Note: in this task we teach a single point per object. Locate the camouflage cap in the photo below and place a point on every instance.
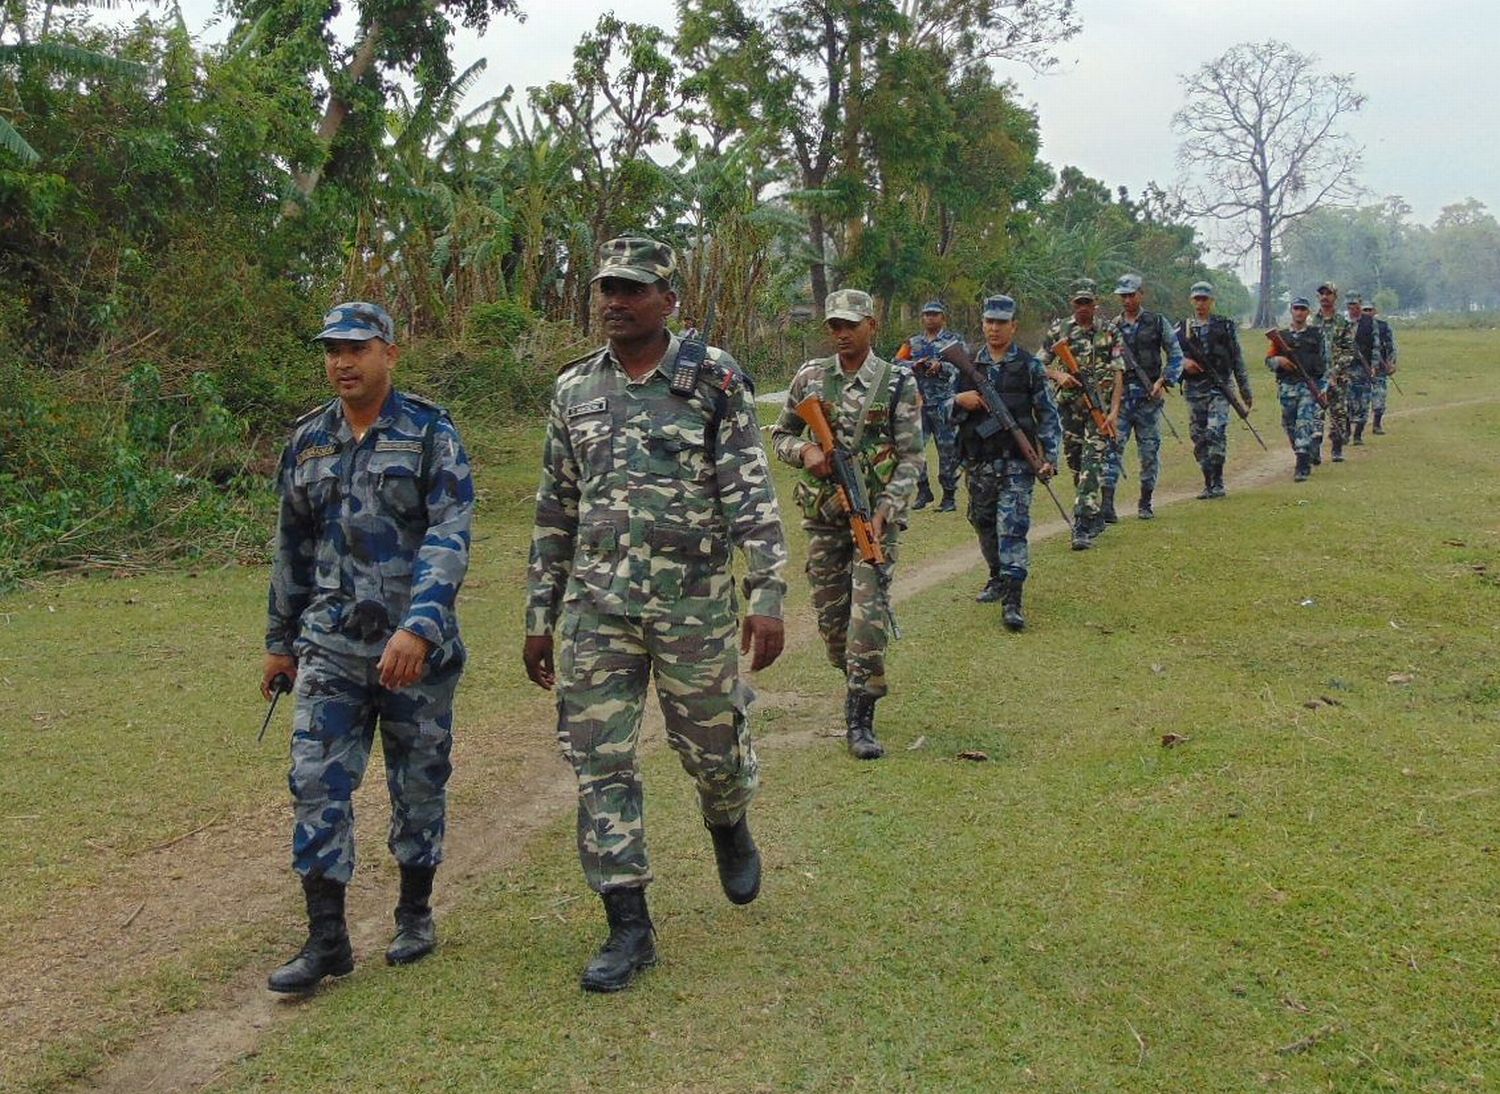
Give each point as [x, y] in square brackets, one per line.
[851, 305]
[1352, 297]
[934, 306]
[1301, 302]
[636, 258]
[357, 321]
[1327, 286]
[1201, 288]
[1084, 289]
[1129, 283]
[999, 307]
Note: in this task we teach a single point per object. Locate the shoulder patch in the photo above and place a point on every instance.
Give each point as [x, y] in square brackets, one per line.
[592, 406]
[316, 451]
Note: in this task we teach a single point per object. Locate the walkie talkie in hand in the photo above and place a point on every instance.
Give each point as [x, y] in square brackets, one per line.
[691, 353]
[281, 683]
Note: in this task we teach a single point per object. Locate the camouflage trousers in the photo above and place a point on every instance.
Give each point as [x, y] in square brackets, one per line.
[1141, 416]
[1208, 426]
[1299, 414]
[1000, 513]
[604, 664]
[937, 424]
[1338, 413]
[1378, 391]
[339, 704]
[1087, 452]
[850, 604]
[1359, 401]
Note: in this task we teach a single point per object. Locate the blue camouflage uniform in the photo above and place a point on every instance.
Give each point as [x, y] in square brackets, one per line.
[373, 536]
[935, 383]
[1384, 363]
[1217, 340]
[1147, 337]
[1000, 481]
[1299, 407]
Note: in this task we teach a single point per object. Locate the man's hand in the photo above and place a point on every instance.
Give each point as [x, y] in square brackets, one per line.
[1112, 424]
[1192, 368]
[277, 664]
[1247, 400]
[536, 655]
[877, 526]
[816, 461]
[968, 400]
[1283, 364]
[1046, 472]
[762, 636]
[1159, 389]
[403, 661]
[1064, 379]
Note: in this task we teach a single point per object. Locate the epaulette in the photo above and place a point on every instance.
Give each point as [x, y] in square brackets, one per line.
[313, 413]
[720, 376]
[427, 404]
[590, 355]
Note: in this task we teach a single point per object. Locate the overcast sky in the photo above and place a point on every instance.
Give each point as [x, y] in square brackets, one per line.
[1429, 129]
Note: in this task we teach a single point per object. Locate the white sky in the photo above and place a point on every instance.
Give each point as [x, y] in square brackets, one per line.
[1429, 129]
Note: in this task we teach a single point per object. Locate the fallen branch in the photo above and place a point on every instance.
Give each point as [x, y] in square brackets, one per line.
[175, 840]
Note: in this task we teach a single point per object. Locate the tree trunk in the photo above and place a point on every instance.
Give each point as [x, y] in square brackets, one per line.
[818, 270]
[1265, 307]
[335, 113]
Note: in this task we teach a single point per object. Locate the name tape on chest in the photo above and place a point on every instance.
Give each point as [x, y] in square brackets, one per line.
[592, 406]
[316, 451]
[392, 444]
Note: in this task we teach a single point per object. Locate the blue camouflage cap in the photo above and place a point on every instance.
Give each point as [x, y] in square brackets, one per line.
[636, 258]
[1201, 288]
[1128, 283]
[934, 306]
[1352, 297]
[1301, 302]
[999, 307]
[357, 321]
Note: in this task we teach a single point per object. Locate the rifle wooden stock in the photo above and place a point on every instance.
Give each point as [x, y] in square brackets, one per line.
[846, 480]
[1064, 352]
[1278, 343]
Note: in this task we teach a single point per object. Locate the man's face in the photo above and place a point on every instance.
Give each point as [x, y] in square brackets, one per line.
[999, 334]
[933, 322]
[360, 371]
[1354, 309]
[1325, 301]
[1130, 302]
[1083, 311]
[633, 310]
[1299, 318]
[852, 340]
[1201, 306]
[1367, 311]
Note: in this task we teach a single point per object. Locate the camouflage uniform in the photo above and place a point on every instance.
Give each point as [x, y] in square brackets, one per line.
[846, 595]
[1000, 482]
[1338, 340]
[1217, 343]
[1384, 362]
[1139, 413]
[373, 536]
[643, 496]
[1299, 407]
[1100, 360]
[937, 405]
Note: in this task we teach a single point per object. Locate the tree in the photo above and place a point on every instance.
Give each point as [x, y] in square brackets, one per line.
[1262, 147]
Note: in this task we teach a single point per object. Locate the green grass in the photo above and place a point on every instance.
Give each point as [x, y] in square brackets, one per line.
[1295, 898]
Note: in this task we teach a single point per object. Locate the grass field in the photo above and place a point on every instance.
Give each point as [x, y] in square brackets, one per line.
[1304, 895]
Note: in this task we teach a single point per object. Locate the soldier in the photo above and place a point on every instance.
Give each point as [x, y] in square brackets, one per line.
[935, 382]
[1362, 371]
[1102, 363]
[1339, 337]
[1148, 336]
[1212, 346]
[874, 415]
[1000, 481]
[652, 472]
[372, 545]
[1385, 364]
[1299, 406]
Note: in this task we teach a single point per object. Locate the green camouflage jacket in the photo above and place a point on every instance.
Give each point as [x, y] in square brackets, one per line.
[1099, 358]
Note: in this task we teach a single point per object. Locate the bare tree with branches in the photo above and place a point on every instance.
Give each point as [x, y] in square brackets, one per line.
[1261, 146]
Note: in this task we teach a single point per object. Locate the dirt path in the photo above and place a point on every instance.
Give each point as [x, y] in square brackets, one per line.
[215, 880]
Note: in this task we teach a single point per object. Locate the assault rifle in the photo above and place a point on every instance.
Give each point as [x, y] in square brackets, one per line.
[1223, 385]
[926, 363]
[1148, 384]
[849, 486]
[1000, 418]
[1064, 352]
[1279, 344]
[1369, 368]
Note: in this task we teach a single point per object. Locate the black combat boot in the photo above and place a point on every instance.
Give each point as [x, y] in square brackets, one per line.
[1216, 490]
[327, 951]
[1304, 467]
[924, 494]
[631, 945]
[738, 859]
[991, 591]
[949, 503]
[1107, 507]
[1208, 482]
[1144, 510]
[1317, 450]
[1359, 432]
[1338, 450]
[416, 934]
[1379, 429]
[861, 731]
[1013, 617]
[1083, 533]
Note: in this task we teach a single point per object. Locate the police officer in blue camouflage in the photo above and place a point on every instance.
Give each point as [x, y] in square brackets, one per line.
[372, 544]
[1212, 347]
[1299, 404]
[653, 474]
[1385, 364]
[1148, 336]
[935, 383]
[1000, 481]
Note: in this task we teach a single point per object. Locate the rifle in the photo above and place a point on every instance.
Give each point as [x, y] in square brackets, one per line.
[1101, 420]
[925, 363]
[281, 683]
[1148, 384]
[1369, 368]
[1278, 343]
[850, 488]
[1000, 418]
[1223, 385]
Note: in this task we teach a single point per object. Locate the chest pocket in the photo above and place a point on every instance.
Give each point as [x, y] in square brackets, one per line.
[319, 479]
[678, 451]
[593, 439]
[398, 486]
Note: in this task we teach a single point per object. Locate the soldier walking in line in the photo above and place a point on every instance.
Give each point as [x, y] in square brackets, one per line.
[1211, 345]
[1362, 368]
[652, 473]
[874, 416]
[935, 382]
[1385, 364]
[1338, 336]
[1097, 350]
[1148, 337]
[372, 544]
[1000, 480]
[1296, 378]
